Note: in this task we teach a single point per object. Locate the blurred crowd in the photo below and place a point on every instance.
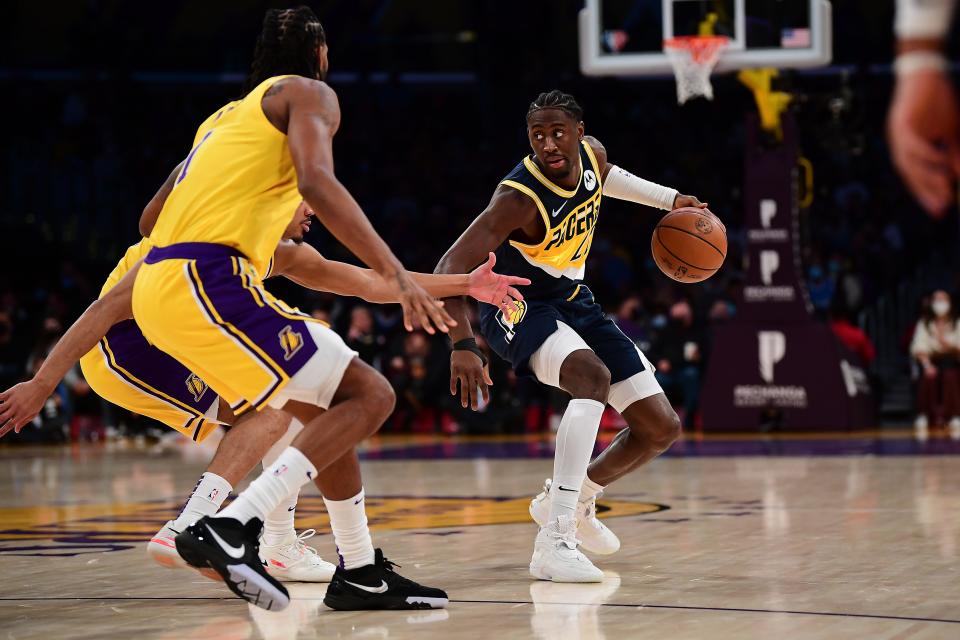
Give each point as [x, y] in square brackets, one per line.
[423, 158]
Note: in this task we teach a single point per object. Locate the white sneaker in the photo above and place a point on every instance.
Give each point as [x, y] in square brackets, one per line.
[594, 535]
[954, 426]
[921, 429]
[293, 561]
[163, 550]
[556, 557]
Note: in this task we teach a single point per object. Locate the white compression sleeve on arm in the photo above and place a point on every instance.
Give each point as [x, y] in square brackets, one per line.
[623, 185]
[922, 19]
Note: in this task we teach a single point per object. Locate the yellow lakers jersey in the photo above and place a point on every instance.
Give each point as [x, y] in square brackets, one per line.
[558, 261]
[237, 186]
[133, 255]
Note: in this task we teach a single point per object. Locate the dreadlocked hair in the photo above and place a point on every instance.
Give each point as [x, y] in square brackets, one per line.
[557, 99]
[287, 45]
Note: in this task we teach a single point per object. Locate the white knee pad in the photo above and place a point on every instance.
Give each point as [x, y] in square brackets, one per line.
[637, 387]
[546, 361]
[319, 378]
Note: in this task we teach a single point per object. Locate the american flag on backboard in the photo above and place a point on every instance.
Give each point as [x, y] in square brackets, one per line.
[795, 38]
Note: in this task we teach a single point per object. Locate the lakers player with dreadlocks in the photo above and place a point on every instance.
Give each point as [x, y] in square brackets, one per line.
[540, 223]
[198, 296]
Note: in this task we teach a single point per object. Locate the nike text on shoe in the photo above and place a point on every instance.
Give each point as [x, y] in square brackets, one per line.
[163, 550]
[378, 586]
[232, 550]
[594, 535]
[293, 561]
[556, 557]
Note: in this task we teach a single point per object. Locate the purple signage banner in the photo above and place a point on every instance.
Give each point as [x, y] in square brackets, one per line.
[794, 376]
[774, 289]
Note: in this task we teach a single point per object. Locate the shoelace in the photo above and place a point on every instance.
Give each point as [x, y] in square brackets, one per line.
[300, 546]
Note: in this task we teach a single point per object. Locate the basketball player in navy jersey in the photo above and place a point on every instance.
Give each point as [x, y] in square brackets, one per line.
[540, 222]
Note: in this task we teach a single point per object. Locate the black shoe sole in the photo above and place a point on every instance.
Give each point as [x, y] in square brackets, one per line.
[389, 603]
[244, 580]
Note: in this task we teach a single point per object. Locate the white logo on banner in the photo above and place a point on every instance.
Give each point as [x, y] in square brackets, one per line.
[769, 263]
[773, 346]
[768, 209]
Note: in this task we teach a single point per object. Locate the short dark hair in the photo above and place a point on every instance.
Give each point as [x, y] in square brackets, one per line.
[557, 99]
[287, 45]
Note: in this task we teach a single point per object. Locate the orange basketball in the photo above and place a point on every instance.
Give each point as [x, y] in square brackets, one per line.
[689, 244]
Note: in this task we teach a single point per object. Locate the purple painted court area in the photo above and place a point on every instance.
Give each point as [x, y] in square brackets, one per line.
[539, 447]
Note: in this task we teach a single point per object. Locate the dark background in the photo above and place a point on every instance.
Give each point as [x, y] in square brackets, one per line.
[101, 100]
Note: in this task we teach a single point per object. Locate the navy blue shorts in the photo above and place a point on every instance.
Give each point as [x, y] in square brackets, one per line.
[517, 338]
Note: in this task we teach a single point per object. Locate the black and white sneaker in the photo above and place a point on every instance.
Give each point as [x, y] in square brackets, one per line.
[233, 551]
[378, 586]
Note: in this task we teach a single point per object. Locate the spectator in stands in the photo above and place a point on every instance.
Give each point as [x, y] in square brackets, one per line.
[936, 346]
[362, 336]
[850, 335]
[678, 356]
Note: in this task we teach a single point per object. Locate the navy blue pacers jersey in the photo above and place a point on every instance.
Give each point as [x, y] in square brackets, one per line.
[555, 267]
[556, 264]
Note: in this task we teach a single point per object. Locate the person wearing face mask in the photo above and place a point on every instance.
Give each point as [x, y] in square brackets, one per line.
[936, 346]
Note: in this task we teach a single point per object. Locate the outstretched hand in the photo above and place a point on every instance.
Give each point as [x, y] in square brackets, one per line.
[494, 288]
[20, 404]
[420, 306]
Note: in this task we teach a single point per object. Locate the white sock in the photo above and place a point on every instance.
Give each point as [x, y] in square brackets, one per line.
[589, 489]
[348, 520]
[575, 439]
[291, 471]
[278, 526]
[207, 496]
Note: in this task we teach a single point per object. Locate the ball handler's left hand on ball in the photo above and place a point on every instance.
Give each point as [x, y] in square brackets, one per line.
[688, 201]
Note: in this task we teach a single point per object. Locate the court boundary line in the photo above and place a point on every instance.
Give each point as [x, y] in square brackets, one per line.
[835, 614]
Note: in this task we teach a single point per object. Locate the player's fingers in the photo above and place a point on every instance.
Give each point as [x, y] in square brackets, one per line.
[453, 382]
[423, 316]
[435, 314]
[475, 393]
[407, 315]
[515, 281]
[5, 428]
[514, 293]
[465, 390]
[486, 375]
[441, 316]
[932, 189]
[485, 392]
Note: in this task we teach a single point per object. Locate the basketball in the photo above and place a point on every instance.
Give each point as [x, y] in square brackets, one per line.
[689, 244]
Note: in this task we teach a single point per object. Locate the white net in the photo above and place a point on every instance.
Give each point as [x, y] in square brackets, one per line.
[693, 59]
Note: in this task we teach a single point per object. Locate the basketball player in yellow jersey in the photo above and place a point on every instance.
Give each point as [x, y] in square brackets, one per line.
[541, 223]
[128, 371]
[251, 161]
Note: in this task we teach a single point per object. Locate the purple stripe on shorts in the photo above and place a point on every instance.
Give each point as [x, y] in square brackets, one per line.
[286, 341]
[192, 251]
[150, 366]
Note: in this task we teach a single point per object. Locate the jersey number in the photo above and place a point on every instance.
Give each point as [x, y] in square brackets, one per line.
[186, 164]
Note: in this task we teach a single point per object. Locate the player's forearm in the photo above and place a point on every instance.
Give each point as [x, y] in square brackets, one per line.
[341, 215]
[437, 285]
[623, 185]
[80, 338]
[453, 263]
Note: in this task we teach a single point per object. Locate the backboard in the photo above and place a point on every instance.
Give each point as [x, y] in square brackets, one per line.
[625, 37]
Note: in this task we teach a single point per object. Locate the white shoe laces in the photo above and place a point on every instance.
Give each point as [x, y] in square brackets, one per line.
[300, 548]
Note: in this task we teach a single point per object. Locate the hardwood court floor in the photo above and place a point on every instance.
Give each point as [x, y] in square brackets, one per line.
[719, 546]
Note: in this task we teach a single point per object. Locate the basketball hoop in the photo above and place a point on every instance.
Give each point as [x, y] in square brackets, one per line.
[693, 59]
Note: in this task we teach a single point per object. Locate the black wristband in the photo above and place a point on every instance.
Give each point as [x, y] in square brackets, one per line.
[470, 344]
